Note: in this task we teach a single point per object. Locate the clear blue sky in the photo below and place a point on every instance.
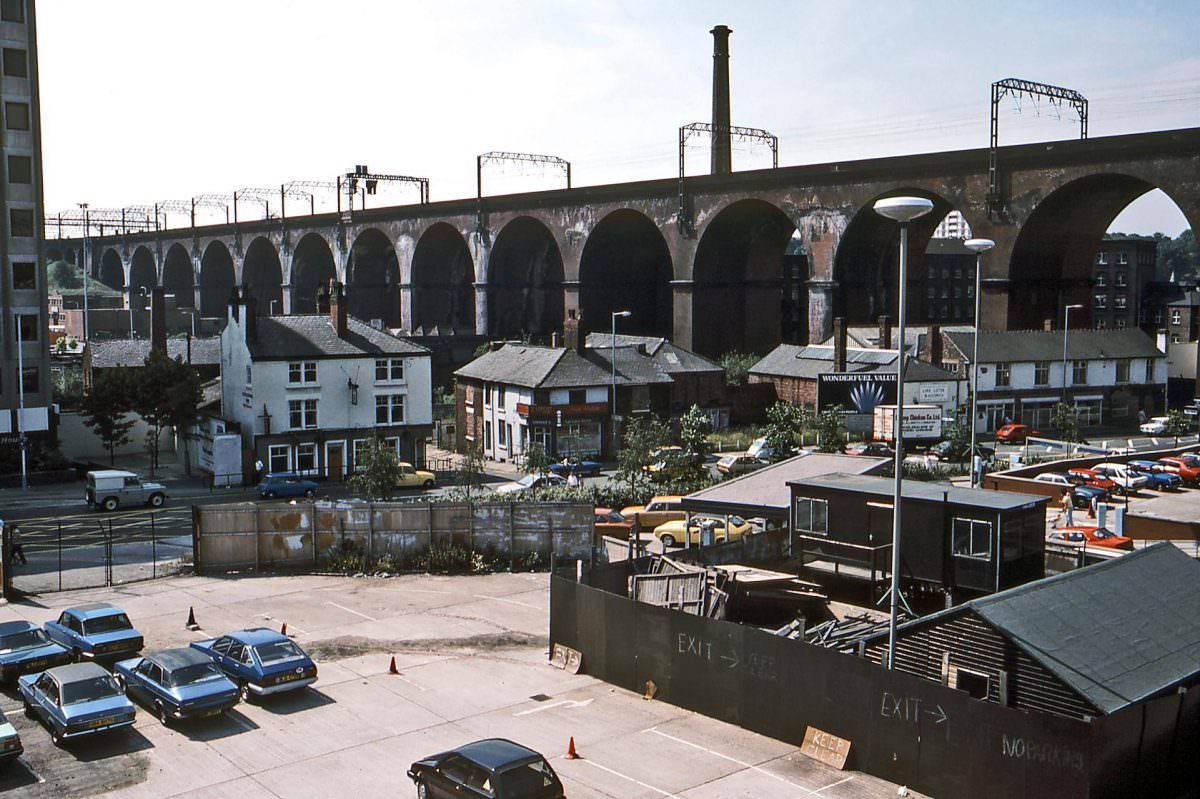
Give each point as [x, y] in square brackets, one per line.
[145, 100]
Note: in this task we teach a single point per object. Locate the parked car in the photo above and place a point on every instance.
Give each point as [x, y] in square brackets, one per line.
[955, 452]
[75, 700]
[1015, 433]
[1156, 476]
[25, 647]
[1092, 478]
[577, 467]
[1182, 467]
[111, 488]
[1155, 425]
[760, 449]
[611, 522]
[734, 465]
[877, 449]
[671, 533]
[10, 741]
[531, 482]
[1128, 479]
[1089, 535]
[95, 630]
[177, 684]
[668, 460]
[1055, 478]
[1082, 496]
[661, 508]
[495, 767]
[286, 484]
[410, 477]
[260, 661]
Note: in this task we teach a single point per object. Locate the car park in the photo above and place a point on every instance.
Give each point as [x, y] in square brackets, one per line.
[660, 509]
[260, 661]
[10, 741]
[672, 532]
[95, 630]
[495, 767]
[611, 522]
[109, 489]
[531, 482]
[1088, 535]
[733, 465]
[75, 700]
[1015, 433]
[578, 467]
[1155, 426]
[1126, 479]
[177, 684]
[286, 484]
[25, 648]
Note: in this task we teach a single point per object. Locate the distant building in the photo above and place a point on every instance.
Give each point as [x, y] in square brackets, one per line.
[947, 287]
[1123, 269]
[25, 377]
[953, 226]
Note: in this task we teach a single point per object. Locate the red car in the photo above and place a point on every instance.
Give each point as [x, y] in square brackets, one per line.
[1189, 473]
[611, 522]
[1086, 535]
[1090, 478]
[1015, 433]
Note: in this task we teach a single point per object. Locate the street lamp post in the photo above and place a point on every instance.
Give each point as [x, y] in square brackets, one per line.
[21, 405]
[86, 228]
[903, 210]
[1066, 328]
[979, 247]
[143, 292]
[613, 359]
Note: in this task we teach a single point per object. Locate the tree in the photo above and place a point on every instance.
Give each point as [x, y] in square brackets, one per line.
[831, 433]
[1177, 424]
[105, 408]
[1064, 419]
[694, 429]
[643, 435]
[62, 275]
[166, 393]
[786, 424]
[469, 473]
[737, 366]
[379, 468]
[537, 460]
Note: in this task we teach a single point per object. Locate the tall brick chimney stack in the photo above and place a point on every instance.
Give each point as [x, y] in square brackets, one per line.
[839, 344]
[158, 321]
[722, 151]
[935, 345]
[574, 337]
[337, 308]
[885, 332]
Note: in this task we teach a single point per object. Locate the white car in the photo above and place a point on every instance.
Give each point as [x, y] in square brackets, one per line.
[531, 481]
[1122, 475]
[1057, 478]
[1156, 426]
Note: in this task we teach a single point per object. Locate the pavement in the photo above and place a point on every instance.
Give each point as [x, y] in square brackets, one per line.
[472, 657]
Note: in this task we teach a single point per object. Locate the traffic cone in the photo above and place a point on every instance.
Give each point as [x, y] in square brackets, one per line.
[392, 666]
[283, 629]
[190, 624]
[571, 753]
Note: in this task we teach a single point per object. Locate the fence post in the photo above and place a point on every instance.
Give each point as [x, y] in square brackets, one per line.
[313, 506]
[370, 529]
[471, 526]
[257, 535]
[153, 550]
[60, 556]
[429, 520]
[512, 537]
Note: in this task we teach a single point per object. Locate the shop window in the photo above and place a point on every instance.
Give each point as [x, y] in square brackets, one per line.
[306, 458]
[279, 458]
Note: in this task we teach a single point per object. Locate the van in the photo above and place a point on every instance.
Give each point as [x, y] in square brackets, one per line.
[110, 488]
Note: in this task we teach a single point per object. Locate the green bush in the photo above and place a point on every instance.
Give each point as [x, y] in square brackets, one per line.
[452, 559]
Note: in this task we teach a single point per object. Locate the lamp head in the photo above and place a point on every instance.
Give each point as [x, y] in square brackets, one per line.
[622, 314]
[979, 245]
[903, 209]
[1074, 307]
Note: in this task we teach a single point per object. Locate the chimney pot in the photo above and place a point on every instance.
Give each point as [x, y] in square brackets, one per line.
[337, 309]
[574, 337]
[885, 332]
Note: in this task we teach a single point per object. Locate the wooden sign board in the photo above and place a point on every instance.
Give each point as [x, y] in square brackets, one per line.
[825, 747]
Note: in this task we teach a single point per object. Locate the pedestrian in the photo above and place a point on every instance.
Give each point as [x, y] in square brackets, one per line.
[17, 550]
[572, 480]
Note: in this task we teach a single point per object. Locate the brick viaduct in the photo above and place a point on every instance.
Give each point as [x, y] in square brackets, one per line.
[513, 265]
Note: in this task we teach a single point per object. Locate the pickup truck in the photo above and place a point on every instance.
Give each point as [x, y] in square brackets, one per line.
[260, 661]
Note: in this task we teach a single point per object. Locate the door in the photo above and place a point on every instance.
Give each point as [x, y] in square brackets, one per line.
[335, 460]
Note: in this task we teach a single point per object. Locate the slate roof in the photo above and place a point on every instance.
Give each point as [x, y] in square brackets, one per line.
[1016, 346]
[670, 358]
[535, 366]
[1118, 632]
[1189, 298]
[109, 353]
[913, 489]
[807, 362]
[312, 336]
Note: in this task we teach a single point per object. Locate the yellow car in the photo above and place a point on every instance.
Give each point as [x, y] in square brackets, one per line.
[409, 477]
[662, 508]
[671, 533]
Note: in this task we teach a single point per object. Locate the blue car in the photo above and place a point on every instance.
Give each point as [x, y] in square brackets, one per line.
[1158, 480]
[96, 630]
[76, 700]
[25, 647]
[10, 741]
[178, 684]
[260, 661]
[579, 468]
[286, 485]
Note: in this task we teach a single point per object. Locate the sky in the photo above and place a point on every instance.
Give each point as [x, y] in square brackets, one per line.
[145, 100]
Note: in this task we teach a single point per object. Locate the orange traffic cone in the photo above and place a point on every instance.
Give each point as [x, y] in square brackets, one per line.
[571, 753]
[392, 666]
[191, 624]
[283, 629]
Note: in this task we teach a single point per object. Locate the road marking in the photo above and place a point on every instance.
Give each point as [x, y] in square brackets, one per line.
[509, 601]
[565, 702]
[833, 784]
[627, 777]
[742, 763]
[351, 610]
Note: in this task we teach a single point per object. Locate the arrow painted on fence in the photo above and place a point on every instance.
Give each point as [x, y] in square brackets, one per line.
[563, 703]
[732, 660]
[939, 716]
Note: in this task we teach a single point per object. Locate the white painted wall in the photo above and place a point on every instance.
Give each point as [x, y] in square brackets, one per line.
[76, 440]
[1101, 374]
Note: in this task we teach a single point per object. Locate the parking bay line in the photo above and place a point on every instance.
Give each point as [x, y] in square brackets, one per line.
[834, 784]
[509, 601]
[615, 773]
[742, 763]
[351, 610]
